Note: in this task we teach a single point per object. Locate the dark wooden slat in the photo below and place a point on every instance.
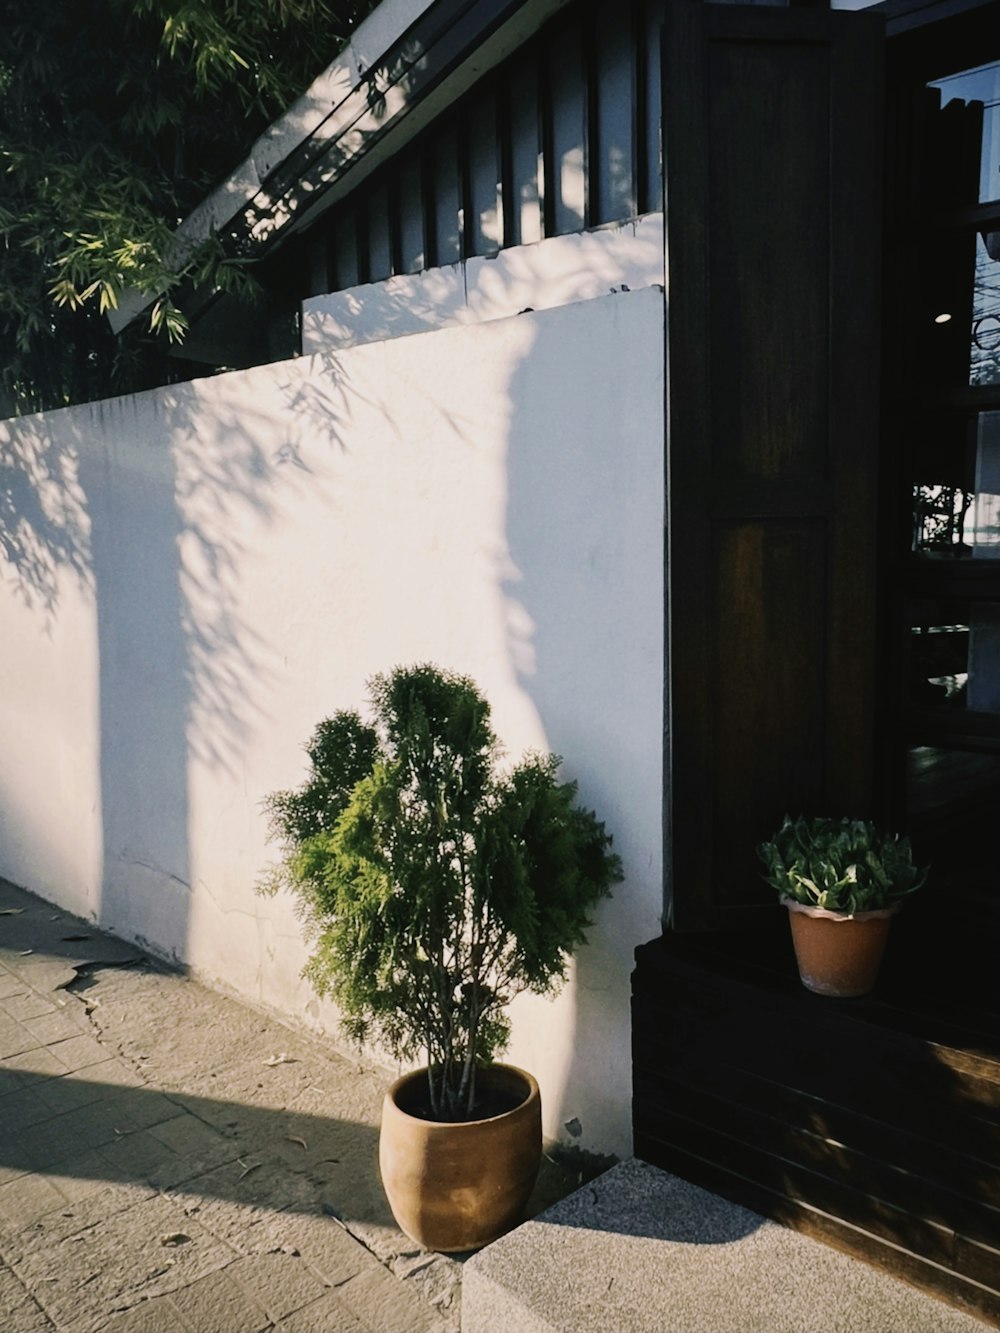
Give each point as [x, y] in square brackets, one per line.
[948, 1164]
[913, 1193]
[838, 1198]
[854, 1064]
[979, 1261]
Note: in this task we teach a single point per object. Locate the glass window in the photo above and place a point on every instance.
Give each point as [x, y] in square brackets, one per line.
[984, 360]
[937, 778]
[956, 490]
[955, 654]
[978, 90]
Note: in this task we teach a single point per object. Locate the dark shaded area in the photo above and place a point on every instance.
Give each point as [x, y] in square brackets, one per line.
[656, 1207]
[27, 924]
[82, 1128]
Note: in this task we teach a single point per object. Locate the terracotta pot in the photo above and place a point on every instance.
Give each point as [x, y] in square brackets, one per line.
[838, 954]
[455, 1187]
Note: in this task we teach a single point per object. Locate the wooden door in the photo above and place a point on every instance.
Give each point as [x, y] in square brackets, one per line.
[773, 147]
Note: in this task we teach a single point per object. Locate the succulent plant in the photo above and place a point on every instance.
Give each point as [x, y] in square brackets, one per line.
[843, 865]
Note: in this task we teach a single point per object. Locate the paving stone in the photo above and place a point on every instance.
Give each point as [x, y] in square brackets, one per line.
[19, 1311]
[43, 974]
[382, 1301]
[100, 1122]
[22, 1108]
[159, 1315]
[111, 1073]
[184, 1073]
[83, 1277]
[141, 1107]
[27, 1198]
[139, 1156]
[218, 1304]
[65, 1136]
[249, 1182]
[13, 1161]
[320, 1240]
[329, 1314]
[84, 1214]
[30, 1067]
[280, 1283]
[15, 1038]
[80, 1052]
[67, 1093]
[28, 1006]
[82, 1176]
[10, 984]
[53, 1025]
[187, 1135]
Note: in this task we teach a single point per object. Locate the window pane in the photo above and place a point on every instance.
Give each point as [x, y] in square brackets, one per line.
[955, 654]
[956, 492]
[959, 311]
[984, 361]
[937, 778]
[971, 102]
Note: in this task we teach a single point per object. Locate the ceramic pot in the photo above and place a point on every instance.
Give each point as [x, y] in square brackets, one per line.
[455, 1187]
[838, 954]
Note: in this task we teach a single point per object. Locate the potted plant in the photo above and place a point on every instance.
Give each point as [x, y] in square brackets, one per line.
[436, 884]
[842, 881]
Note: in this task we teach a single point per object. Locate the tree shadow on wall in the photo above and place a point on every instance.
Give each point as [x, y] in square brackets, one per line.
[584, 527]
[145, 511]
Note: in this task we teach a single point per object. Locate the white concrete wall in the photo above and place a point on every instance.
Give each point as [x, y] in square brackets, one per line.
[193, 577]
[540, 276]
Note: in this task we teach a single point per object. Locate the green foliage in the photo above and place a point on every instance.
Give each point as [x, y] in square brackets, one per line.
[116, 118]
[434, 884]
[843, 865]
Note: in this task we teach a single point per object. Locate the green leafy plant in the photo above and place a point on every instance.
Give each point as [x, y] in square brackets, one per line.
[435, 884]
[116, 119]
[843, 865]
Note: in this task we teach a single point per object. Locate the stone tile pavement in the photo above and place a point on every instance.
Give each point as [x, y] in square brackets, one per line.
[172, 1161]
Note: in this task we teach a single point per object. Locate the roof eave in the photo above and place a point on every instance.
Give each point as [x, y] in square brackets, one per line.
[404, 64]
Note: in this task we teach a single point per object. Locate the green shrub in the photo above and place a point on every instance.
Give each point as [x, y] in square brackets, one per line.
[434, 885]
[844, 865]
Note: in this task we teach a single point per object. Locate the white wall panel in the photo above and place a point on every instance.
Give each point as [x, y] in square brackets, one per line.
[205, 571]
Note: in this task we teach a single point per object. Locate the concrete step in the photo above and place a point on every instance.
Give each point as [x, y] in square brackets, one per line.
[642, 1251]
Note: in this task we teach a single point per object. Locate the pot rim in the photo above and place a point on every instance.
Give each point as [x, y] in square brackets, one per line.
[824, 913]
[532, 1094]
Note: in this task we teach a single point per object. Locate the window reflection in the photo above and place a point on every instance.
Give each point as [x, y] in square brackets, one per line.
[978, 90]
[984, 357]
[961, 326]
[956, 493]
[955, 654]
[937, 777]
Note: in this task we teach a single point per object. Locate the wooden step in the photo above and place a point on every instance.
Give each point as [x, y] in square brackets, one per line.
[873, 1124]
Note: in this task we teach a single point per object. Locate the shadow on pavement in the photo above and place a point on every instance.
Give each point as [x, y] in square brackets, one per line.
[76, 1129]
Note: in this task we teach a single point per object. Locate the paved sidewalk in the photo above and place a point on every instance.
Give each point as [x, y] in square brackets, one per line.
[173, 1162]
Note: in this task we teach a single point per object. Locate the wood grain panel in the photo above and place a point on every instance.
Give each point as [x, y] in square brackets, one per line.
[773, 178]
[768, 686]
[769, 260]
